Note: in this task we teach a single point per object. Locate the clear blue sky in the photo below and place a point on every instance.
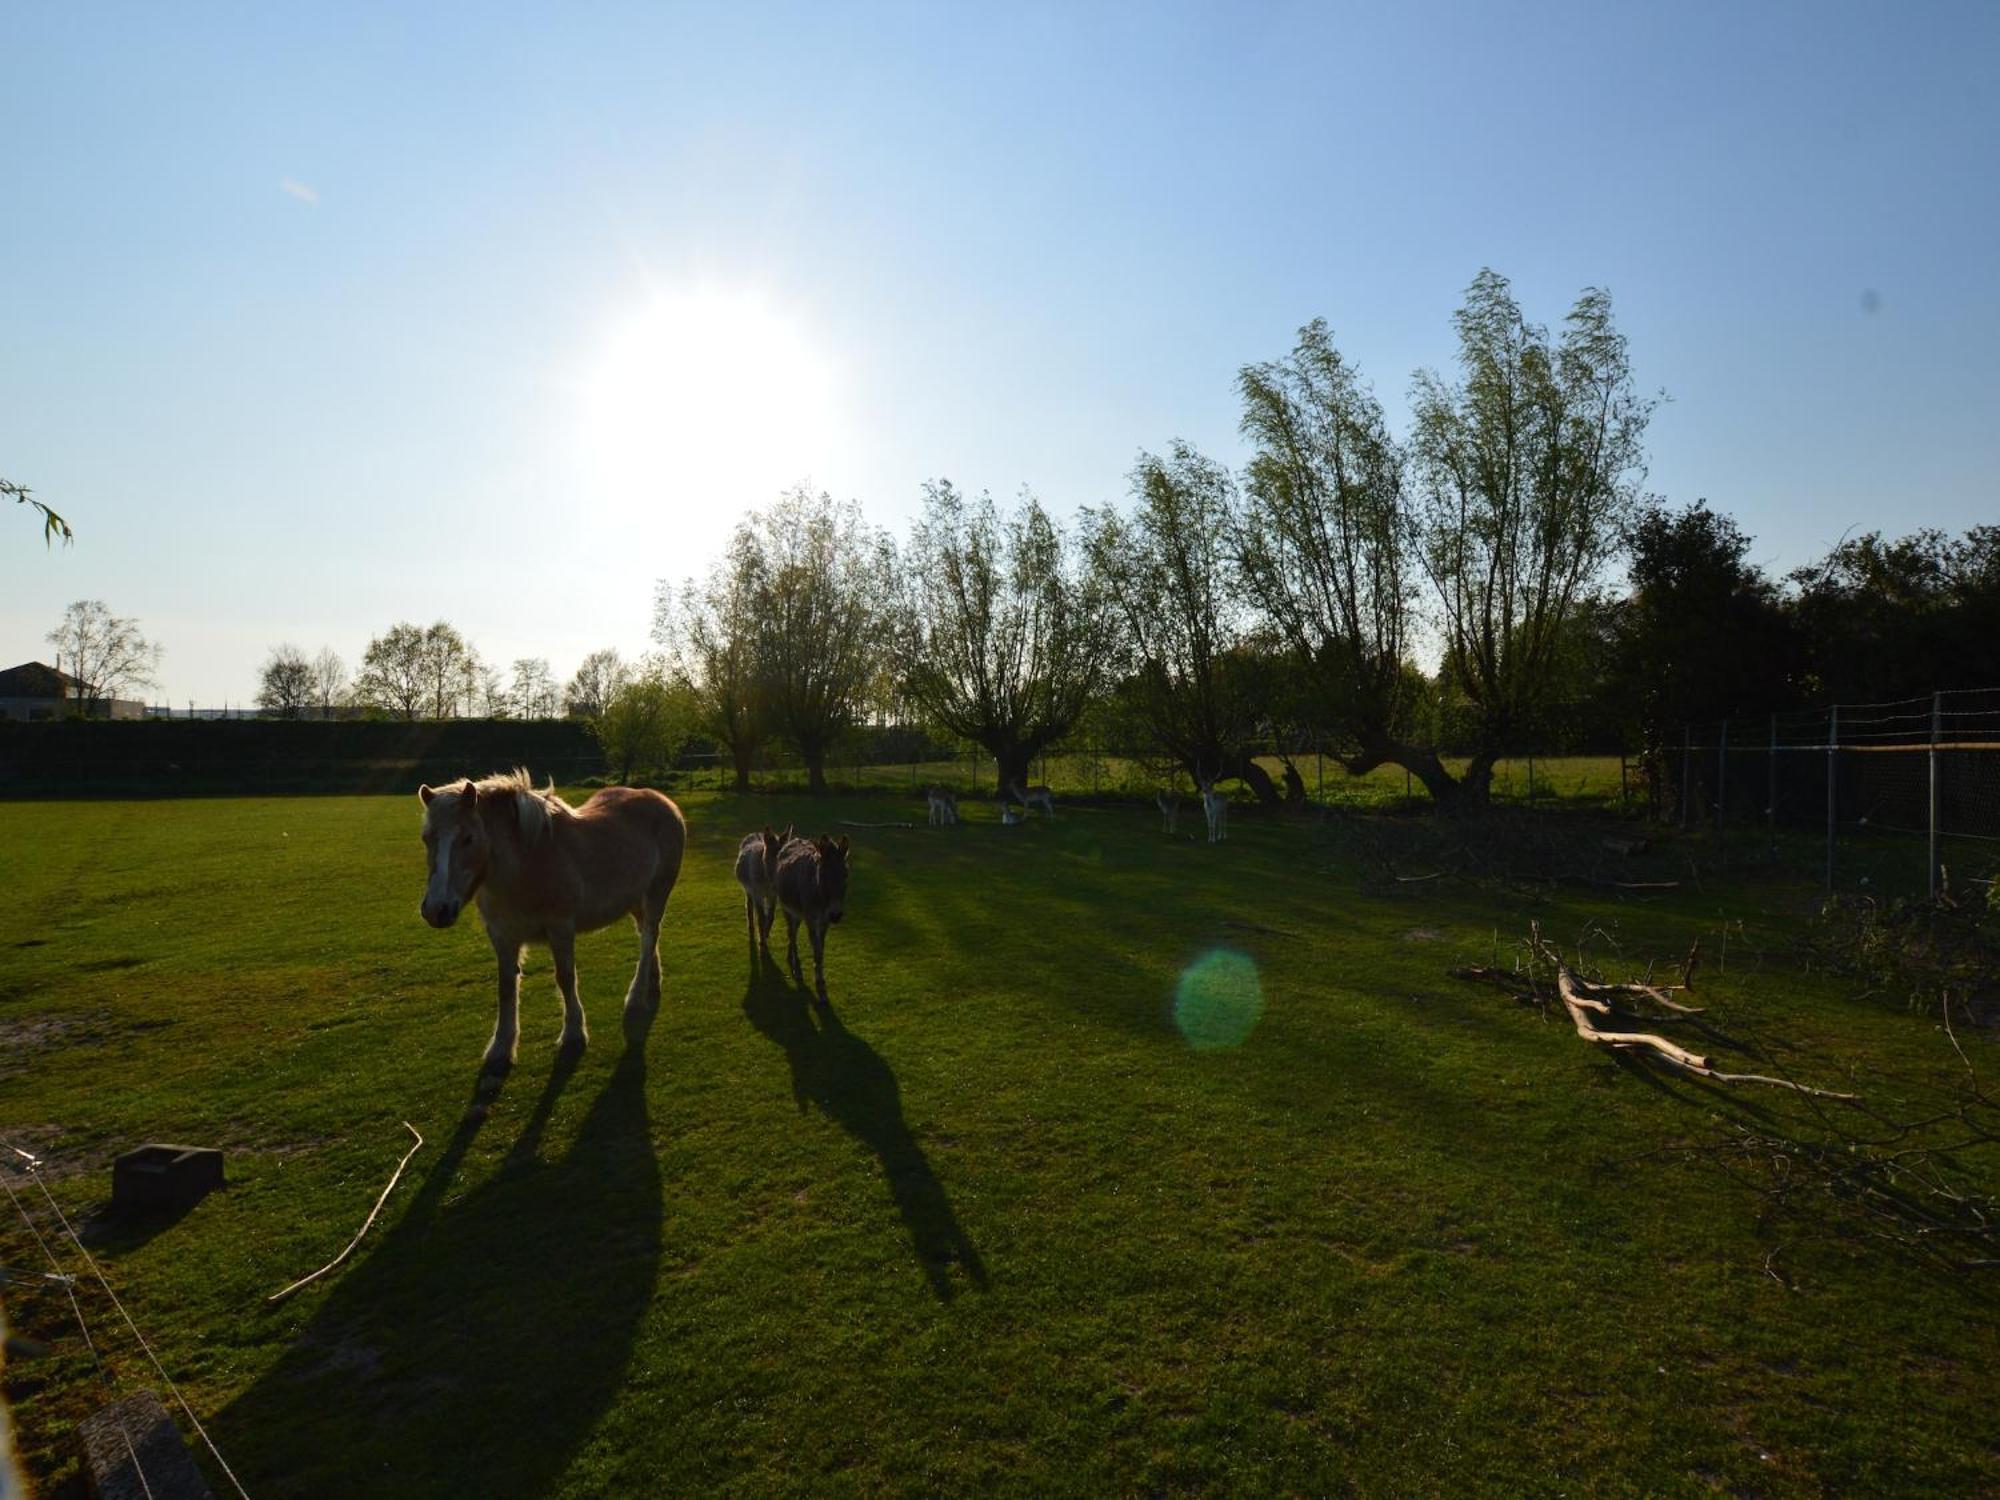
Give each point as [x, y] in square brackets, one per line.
[305, 309]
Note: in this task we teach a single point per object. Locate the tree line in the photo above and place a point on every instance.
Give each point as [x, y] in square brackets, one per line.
[1433, 599]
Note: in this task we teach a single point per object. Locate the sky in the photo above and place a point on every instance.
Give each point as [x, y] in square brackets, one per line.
[314, 319]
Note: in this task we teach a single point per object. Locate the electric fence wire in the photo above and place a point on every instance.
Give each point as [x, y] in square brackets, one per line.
[33, 1170]
[68, 1283]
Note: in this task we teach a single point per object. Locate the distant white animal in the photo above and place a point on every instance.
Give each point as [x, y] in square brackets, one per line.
[1170, 809]
[1216, 806]
[1009, 817]
[1031, 797]
[943, 806]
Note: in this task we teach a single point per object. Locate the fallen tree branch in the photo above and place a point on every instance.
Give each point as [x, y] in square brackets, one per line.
[280, 1296]
[850, 823]
[1585, 1001]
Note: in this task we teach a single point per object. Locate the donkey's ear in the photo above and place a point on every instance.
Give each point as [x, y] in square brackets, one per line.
[468, 795]
[822, 843]
[768, 835]
[842, 842]
[424, 794]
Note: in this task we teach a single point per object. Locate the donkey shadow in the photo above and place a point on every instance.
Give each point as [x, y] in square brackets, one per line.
[851, 1084]
[477, 1346]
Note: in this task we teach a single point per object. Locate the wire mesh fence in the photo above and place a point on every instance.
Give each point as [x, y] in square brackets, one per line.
[1894, 796]
[1083, 768]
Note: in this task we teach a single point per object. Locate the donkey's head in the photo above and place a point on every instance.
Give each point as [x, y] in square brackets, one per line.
[456, 843]
[833, 862]
[773, 842]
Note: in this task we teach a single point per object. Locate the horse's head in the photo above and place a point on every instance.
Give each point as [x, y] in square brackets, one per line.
[833, 862]
[456, 844]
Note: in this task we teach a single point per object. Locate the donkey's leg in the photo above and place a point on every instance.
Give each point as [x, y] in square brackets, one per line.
[507, 1024]
[562, 948]
[817, 929]
[792, 945]
[767, 913]
[750, 914]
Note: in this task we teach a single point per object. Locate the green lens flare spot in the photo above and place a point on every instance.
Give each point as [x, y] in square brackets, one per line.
[1218, 1000]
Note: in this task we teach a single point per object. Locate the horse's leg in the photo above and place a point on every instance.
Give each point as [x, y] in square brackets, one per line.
[818, 930]
[562, 949]
[750, 914]
[507, 1024]
[767, 913]
[645, 990]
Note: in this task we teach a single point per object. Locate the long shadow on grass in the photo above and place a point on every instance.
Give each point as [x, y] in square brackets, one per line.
[848, 1080]
[476, 1348]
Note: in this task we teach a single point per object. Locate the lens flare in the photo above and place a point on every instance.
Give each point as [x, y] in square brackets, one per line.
[1218, 1000]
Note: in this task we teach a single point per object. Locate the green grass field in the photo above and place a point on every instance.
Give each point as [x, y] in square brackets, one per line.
[992, 1221]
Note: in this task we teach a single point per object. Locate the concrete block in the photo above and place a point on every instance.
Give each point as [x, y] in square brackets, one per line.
[158, 1177]
[131, 1450]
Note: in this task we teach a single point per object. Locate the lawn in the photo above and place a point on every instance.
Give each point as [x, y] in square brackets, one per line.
[1009, 1214]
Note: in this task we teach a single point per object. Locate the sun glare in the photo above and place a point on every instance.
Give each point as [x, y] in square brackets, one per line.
[705, 404]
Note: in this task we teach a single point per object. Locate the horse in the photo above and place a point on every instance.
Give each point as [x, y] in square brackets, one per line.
[544, 871]
[812, 888]
[1169, 804]
[757, 873]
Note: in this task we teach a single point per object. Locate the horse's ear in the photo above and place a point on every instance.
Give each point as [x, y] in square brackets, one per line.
[822, 843]
[468, 794]
[424, 794]
[768, 835]
[842, 842]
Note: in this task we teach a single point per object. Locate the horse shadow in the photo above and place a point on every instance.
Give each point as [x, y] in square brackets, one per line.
[848, 1081]
[476, 1348]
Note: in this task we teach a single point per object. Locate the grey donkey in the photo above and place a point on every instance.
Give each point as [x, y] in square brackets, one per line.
[812, 888]
[757, 873]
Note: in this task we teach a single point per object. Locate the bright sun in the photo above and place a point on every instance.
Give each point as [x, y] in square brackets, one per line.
[707, 403]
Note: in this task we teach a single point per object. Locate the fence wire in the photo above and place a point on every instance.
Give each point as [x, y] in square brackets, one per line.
[1888, 797]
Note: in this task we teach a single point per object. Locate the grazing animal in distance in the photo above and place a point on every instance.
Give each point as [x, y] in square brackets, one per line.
[943, 805]
[543, 871]
[1216, 806]
[1009, 818]
[812, 888]
[757, 873]
[1031, 797]
[1170, 809]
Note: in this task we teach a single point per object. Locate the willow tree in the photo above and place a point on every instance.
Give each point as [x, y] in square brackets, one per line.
[1322, 544]
[710, 634]
[821, 615]
[1003, 635]
[1526, 473]
[1169, 575]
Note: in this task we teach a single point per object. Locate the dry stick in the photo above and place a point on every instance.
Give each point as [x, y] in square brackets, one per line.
[850, 823]
[305, 1280]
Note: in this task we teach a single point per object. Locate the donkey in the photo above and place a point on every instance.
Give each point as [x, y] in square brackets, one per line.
[1216, 806]
[1169, 803]
[544, 871]
[812, 888]
[1031, 797]
[757, 873]
[943, 805]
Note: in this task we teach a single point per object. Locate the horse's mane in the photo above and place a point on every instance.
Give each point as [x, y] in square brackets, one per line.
[533, 806]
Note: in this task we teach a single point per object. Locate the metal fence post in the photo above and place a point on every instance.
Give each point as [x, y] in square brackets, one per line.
[1937, 714]
[1832, 782]
[1687, 768]
[1721, 775]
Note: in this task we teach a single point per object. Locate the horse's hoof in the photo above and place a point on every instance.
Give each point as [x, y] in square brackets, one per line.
[571, 1043]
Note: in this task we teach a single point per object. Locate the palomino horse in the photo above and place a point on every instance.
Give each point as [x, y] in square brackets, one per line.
[544, 871]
